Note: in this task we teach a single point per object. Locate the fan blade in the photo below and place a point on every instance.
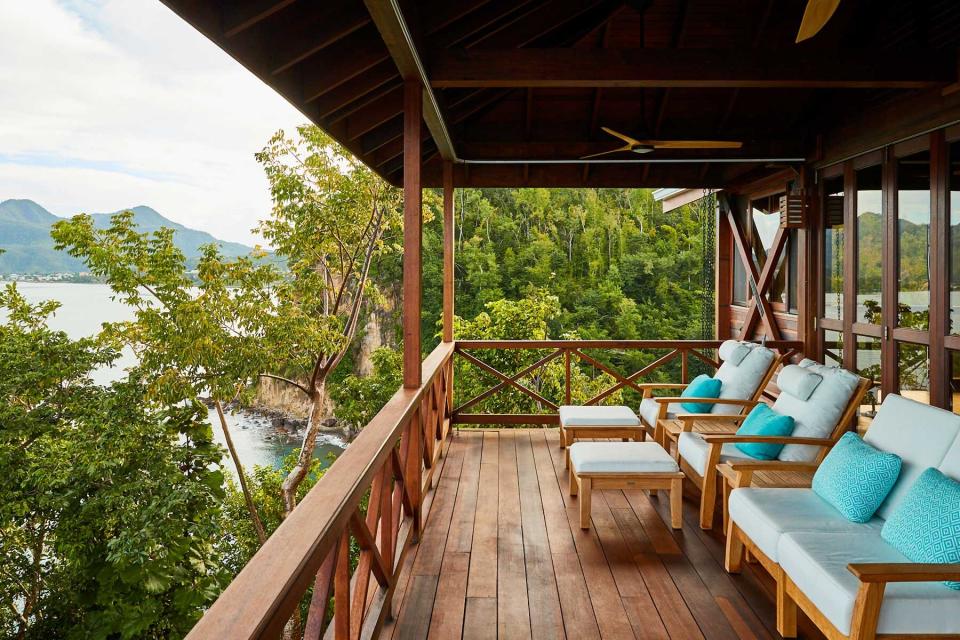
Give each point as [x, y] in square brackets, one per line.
[694, 144]
[815, 16]
[628, 147]
[624, 137]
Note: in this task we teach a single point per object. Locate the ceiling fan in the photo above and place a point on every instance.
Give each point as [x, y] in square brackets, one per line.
[815, 16]
[646, 146]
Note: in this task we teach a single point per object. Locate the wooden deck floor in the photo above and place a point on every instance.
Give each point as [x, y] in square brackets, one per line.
[502, 556]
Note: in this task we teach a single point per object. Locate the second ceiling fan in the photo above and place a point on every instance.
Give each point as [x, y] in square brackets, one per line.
[646, 146]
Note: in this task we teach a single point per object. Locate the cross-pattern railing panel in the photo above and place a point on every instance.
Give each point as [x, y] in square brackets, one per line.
[574, 352]
[347, 540]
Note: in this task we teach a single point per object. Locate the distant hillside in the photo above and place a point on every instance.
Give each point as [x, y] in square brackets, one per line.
[28, 247]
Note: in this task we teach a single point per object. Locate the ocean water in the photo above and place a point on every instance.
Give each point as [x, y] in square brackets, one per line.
[84, 307]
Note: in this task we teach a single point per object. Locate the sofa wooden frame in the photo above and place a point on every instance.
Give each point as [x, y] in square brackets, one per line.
[873, 577]
[711, 479]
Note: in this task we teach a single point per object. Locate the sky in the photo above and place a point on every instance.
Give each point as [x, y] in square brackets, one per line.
[110, 104]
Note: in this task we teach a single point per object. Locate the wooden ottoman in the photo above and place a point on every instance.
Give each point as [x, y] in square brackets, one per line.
[624, 465]
[578, 422]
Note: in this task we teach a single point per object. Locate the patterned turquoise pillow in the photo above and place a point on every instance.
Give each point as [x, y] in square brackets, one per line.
[926, 525]
[703, 386]
[855, 478]
[764, 421]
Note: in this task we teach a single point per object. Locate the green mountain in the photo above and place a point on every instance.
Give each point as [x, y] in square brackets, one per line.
[28, 248]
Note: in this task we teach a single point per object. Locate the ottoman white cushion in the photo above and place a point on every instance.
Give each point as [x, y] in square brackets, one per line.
[621, 457]
[580, 416]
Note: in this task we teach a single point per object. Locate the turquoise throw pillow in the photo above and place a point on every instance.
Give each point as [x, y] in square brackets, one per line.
[926, 525]
[703, 386]
[764, 421]
[855, 478]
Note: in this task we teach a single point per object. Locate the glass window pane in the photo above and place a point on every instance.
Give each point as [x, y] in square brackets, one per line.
[739, 279]
[913, 238]
[914, 371]
[869, 245]
[955, 238]
[833, 249]
[869, 366]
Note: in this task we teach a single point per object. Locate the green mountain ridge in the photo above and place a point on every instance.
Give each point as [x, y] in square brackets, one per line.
[28, 248]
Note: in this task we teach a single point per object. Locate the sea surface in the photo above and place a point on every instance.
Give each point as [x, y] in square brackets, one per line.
[84, 307]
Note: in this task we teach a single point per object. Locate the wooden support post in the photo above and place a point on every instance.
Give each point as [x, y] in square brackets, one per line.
[849, 355]
[891, 274]
[723, 276]
[448, 235]
[412, 232]
[939, 273]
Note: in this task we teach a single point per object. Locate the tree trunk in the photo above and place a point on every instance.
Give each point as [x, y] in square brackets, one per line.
[296, 476]
[251, 507]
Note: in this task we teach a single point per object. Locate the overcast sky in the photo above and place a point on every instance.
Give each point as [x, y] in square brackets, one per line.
[107, 104]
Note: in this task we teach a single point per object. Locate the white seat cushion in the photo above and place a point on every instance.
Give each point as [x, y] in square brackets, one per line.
[580, 416]
[817, 564]
[621, 457]
[920, 434]
[693, 448]
[765, 514]
[650, 411]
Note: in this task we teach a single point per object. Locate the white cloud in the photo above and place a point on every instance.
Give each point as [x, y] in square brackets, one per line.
[114, 103]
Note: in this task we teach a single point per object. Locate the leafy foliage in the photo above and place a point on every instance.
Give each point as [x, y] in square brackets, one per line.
[108, 503]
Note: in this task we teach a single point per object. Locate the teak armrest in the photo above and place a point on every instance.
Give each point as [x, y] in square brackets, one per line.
[772, 465]
[904, 572]
[648, 387]
[731, 401]
[722, 438]
[710, 417]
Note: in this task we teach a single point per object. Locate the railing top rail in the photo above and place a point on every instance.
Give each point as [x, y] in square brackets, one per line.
[611, 344]
[264, 594]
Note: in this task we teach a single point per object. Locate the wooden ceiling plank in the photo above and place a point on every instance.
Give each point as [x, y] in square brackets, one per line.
[240, 16]
[330, 68]
[353, 94]
[489, 18]
[296, 40]
[375, 114]
[695, 68]
[397, 36]
[445, 13]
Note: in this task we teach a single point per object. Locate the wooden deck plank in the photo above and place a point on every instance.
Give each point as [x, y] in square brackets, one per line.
[576, 610]
[542, 596]
[608, 607]
[503, 556]
[446, 622]
[482, 582]
[513, 612]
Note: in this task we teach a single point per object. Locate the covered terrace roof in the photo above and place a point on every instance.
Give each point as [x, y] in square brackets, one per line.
[516, 91]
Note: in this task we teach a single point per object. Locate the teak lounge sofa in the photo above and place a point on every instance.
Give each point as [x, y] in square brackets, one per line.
[821, 415]
[842, 574]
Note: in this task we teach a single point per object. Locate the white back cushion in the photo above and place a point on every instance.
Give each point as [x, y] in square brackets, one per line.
[740, 381]
[951, 462]
[817, 416]
[920, 434]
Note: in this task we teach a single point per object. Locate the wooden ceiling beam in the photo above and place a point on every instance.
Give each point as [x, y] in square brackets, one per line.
[383, 110]
[357, 92]
[695, 68]
[330, 68]
[239, 16]
[294, 40]
[396, 34]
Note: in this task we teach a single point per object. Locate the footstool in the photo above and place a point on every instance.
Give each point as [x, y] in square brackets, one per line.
[624, 465]
[618, 422]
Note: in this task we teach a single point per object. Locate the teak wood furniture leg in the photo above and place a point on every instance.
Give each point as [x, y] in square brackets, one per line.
[582, 485]
[786, 608]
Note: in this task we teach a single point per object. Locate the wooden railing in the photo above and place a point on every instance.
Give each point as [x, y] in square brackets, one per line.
[376, 495]
[575, 350]
[391, 464]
